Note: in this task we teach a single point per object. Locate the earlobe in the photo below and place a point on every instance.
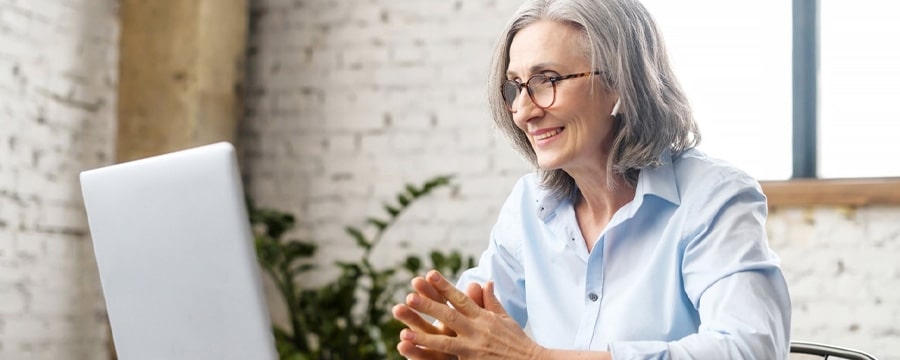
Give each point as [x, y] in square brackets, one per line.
[615, 110]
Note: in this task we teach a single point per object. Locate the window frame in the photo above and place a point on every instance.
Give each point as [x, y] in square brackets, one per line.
[804, 188]
[832, 192]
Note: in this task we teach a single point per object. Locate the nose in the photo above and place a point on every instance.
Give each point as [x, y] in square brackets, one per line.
[524, 110]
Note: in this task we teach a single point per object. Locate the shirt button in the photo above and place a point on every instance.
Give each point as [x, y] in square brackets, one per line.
[593, 296]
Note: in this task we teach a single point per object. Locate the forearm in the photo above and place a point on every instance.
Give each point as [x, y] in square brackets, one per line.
[708, 345]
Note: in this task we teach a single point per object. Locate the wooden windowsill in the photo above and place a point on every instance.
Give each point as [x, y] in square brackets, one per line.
[835, 192]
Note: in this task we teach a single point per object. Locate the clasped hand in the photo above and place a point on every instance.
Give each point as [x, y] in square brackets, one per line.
[472, 325]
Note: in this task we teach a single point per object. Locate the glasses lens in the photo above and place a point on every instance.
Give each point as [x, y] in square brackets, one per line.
[541, 91]
[510, 90]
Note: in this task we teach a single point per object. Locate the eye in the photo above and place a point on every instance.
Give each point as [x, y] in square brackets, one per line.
[552, 76]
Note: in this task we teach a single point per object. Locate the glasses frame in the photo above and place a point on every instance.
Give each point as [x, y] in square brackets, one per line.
[552, 79]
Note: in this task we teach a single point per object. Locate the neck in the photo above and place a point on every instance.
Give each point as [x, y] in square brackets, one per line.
[596, 195]
[598, 201]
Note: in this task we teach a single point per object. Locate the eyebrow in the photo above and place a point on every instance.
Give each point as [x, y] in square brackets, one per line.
[535, 68]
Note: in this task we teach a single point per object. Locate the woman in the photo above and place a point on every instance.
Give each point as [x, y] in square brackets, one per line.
[629, 243]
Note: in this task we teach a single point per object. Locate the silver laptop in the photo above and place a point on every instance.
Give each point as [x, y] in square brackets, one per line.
[176, 257]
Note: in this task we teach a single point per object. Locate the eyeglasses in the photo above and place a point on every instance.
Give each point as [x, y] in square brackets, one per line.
[541, 89]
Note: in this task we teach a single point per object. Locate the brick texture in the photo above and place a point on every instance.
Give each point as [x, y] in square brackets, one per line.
[57, 94]
[842, 267]
[348, 100]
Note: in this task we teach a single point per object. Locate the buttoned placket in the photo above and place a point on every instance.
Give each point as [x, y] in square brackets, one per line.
[593, 291]
[593, 280]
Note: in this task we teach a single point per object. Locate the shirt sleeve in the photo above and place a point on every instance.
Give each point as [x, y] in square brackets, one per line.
[733, 280]
[500, 262]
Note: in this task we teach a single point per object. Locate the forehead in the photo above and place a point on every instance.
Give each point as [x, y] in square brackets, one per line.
[547, 42]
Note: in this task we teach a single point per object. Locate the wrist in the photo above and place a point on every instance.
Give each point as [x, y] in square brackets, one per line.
[549, 354]
[540, 352]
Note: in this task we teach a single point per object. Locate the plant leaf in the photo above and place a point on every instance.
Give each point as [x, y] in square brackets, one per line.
[455, 262]
[268, 252]
[297, 249]
[403, 200]
[413, 191]
[304, 268]
[360, 238]
[379, 224]
[391, 210]
[438, 260]
[413, 264]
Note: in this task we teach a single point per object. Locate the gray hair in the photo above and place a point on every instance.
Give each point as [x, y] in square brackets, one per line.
[623, 42]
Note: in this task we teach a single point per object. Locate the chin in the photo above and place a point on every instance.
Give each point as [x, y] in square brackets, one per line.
[547, 165]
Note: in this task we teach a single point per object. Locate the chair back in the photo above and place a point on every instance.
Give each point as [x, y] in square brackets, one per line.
[828, 351]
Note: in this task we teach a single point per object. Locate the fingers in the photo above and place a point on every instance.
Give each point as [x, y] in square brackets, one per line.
[413, 319]
[426, 346]
[457, 298]
[423, 287]
[450, 318]
[409, 350]
[476, 293]
[491, 303]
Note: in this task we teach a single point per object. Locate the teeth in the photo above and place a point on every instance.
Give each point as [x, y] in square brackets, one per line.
[548, 134]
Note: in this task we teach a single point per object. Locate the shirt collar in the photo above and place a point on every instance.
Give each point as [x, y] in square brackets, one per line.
[547, 203]
[657, 181]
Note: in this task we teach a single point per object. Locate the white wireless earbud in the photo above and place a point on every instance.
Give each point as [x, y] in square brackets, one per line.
[615, 110]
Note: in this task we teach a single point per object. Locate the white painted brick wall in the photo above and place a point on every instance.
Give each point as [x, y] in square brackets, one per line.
[843, 267]
[57, 94]
[348, 100]
[351, 100]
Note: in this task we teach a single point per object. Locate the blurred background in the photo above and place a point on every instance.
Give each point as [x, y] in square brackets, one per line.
[335, 105]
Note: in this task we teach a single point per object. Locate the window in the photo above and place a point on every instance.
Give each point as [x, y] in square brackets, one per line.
[859, 125]
[793, 90]
[734, 60]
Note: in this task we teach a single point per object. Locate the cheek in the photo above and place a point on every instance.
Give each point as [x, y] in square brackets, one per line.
[580, 104]
[589, 129]
[518, 119]
[519, 124]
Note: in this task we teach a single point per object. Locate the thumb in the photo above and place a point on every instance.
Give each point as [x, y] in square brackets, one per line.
[490, 301]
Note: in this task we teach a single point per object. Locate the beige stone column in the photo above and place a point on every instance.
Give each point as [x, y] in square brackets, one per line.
[181, 65]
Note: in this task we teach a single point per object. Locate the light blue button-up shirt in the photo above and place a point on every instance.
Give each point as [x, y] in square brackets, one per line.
[683, 271]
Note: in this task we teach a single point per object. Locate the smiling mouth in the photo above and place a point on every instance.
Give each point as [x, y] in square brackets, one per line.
[548, 134]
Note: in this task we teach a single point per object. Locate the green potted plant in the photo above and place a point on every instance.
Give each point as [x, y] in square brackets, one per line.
[348, 317]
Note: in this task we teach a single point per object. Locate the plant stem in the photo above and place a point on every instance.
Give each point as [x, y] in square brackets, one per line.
[288, 290]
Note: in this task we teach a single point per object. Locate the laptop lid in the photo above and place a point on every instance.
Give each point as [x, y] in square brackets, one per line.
[176, 258]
